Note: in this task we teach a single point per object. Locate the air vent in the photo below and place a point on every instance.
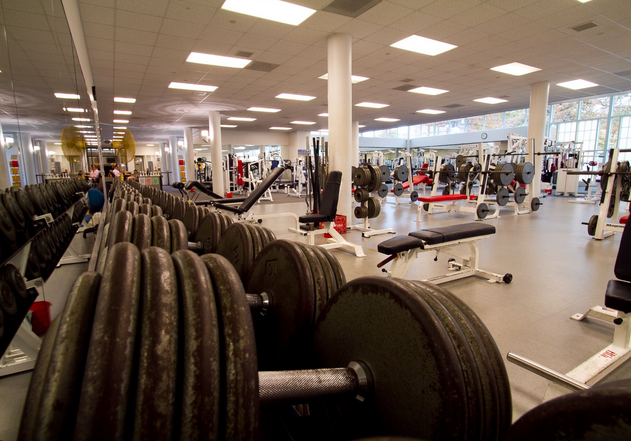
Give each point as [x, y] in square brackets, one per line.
[584, 27]
[199, 93]
[260, 66]
[626, 73]
[350, 8]
[504, 96]
[406, 80]
[405, 87]
[453, 106]
[244, 54]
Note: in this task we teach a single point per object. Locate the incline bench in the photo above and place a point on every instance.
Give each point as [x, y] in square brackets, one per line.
[404, 249]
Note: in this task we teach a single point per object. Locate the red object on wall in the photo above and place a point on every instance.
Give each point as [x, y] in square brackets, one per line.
[181, 162]
[14, 164]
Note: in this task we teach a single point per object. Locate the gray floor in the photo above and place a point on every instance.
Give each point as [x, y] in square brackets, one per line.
[558, 270]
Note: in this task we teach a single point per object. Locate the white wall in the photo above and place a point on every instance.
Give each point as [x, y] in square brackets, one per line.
[463, 138]
[230, 136]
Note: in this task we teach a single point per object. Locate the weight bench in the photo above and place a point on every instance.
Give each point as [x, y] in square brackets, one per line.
[190, 185]
[328, 210]
[404, 249]
[446, 203]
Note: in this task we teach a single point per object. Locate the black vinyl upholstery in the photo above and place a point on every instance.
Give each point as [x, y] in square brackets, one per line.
[451, 233]
[618, 294]
[330, 197]
[199, 186]
[399, 244]
[622, 269]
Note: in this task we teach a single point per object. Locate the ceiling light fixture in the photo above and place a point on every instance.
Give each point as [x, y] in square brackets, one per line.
[292, 96]
[422, 45]
[324, 115]
[67, 96]
[57, 143]
[387, 119]
[150, 145]
[490, 100]
[217, 60]
[239, 148]
[189, 86]
[81, 119]
[372, 105]
[83, 127]
[303, 123]
[120, 121]
[274, 10]
[264, 109]
[74, 109]
[361, 126]
[280, 128]
[516, 69]
[122, 112]
[577, 84]
[239, 118]
[354, 78]
[118, 99]
[120, 128]
[430, 111]
[227, 126]
[428, 91]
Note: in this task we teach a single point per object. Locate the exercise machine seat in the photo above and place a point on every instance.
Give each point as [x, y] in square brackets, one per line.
[201, 187]
[452, 233]
[399, 244]
[330, 197]
[178, 185]
[618, 296]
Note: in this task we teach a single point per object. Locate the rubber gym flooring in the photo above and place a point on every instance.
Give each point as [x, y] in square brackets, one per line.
[558, 270]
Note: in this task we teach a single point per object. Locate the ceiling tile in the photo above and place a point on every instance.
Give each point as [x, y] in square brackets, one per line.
[385, 13]
[133, 49]
[149, 7]
[105, 32]
[449, 8]
[325, 21]
[141, 22]
[181, 28]
[306, 36]
[136, 36]
[189, 12]
[92, 13]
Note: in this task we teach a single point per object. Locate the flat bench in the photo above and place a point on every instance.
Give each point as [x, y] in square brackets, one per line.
[403, 250]
[443, 198]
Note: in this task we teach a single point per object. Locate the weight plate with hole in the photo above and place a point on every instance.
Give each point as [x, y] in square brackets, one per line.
[154, 414]
[503, 196]
[401, 173]
[239, 400]
[361, 195]
[397, 189]
[361, 176]
[284, 330]
[535, 203]
[604, 179]
[464, 172]
[156, 211]
[374, 207]
[503, 174]
[107, 382]
[482, 210]
[236, 246]
[385, 173]
[592, 225]
[525, 172]
[375, 177]
[145, 209]
[121, 228]
[201, 374]
[59, 399]
[208, 233]
[329, 274]
[520, 195]
[360, 212]
[190, 220]
[160, 233]
[12, 276]
[179, 236]
[426, 206]
[460, 161]
[447, 174]
[141, 236]
[382, 191]
[257, 241]
[8, 303]
[132, 207]
[414, 196]
[319, 282]
[413, 363]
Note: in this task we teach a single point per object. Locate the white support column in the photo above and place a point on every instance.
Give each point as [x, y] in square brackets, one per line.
[296, 142]
[164, 167]
[26, 148]
[340, 97]
[355, 154]
[5, 176]
[214, 135]
[539, 93]
[43, 153]
[173, 162]
[190, 154]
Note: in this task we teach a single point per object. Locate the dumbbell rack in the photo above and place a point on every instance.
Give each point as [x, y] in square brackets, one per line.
[364, 226]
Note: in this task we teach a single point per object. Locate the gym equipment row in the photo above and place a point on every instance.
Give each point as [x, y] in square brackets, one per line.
[367, 179]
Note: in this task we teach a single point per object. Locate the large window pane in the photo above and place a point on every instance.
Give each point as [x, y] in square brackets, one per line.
[442, 128]
[516, 118]
[566, 132]
[381, 133]
[624, 137]
[370, 134]
[475, 123]
[587, 134]
[428, 129]
[493, 121]
[613, 132]
[595, 108]
[566, 111]
[415, 131]
[457, 125]
[622, 105]
[402, 132]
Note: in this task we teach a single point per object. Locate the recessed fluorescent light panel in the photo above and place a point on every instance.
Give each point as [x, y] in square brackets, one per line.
[323, 114]
[67, 96]
[490, 100]
[516, 69]
[584, 1]
[227, 126]
[354, 78]
[150, 145]
[291, 96]
[189, 86]
[118, 99]
[361, 126]
[121, 121]
[81, 119]
[74, 109]
[372, 105]
[239, 148]
[120, 128]
[387, 119]
[57, 143]
[275, 10]
[280, 128]
[238, 118]
[422, 45]
[577, 84]
[263, 109]
[122, 112]
[83, 127]
[430, 111]
[428, 91]
[303, 123]
[217, 60]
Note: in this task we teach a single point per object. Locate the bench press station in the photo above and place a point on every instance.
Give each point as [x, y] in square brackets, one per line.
[404, 249]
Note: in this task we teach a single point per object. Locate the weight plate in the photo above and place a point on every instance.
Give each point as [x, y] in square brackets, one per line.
[107, 382]
[160, 233]
[132, 207]
[374, 207]
[38, 380]
[612, 204]
[535, 203]
[520, 195]
[201, 212]
[208, 233]
[447, 174]
[236, 246]
[14, 211]
[375, 177]
[361, 195]
[147, 201]
[118, 205]
[525, 172]
[414, 196]
[138, 198]
[503, 196]
[201, 374]
[361, 176]
[141, 236]
[180, 210]
[446, 190]
[156, 211]
[319, 282]
[12, 276]
[168, 204]
[59, 399]
[503, 174]
[340, 277]
[8, 303]
[592, 225]
[360, 212]
[154, 415]
[401, 173]
[121, 228]
[385, 173]
[382, 191]
[145, 209]
[190, 220]
[179, 236]
[25, 204]
[285, 328]
[257, 241]
[482, 210]
[7, 231]
[460, 161]
[604, 178]
[413, 364]
[239, 367]
[463, 171]
[397, 189]
[329, 275]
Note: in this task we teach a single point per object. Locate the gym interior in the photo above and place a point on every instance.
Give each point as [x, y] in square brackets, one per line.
[312, 220]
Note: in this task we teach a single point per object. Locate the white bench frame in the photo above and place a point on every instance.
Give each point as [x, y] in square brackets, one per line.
[336, 240]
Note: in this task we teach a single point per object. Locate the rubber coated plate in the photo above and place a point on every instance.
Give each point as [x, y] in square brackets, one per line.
[385, 173]
[413, 364]
[360, 212]
[7, 231]
[340, 277]
[374, 207]
[239, 372]
[401, 173]
[60, 394]
[414, 196]
[160, 233]
[132, 207]
[121, 228]
[12, 276]
[8, 303]
[375, 177]
[236, 246]
[14, 211]
[361, 195]
[145, 209]
[179, 210]
[283, 331]
[593, 223]
[482, 210]
[520, 195]
[154, 416]
[525, 172]
[382, 191]
[319, 280]
[257, 242]
[190, 220]
[105, 395]
[25, 204]
[141, 236]
[36, 198]
[503, 196]
[503, 178]
[179, 236]
[535, 204]
[201, 372]
[208, 234]
[329, 275]
[397, 189]
[156, 211]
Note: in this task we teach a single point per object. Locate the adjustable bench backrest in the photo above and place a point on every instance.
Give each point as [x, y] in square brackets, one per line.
[202, 188]
[622, 268]
[331, 195]
[260, 189]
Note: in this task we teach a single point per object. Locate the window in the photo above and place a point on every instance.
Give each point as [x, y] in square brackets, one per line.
[493, 121]
[381, 133]
[428, 129]
[624, 138]
[622, 105]
[457, 125]
[566, 111]
[516, 118]
[587, 134]
[566, 132]
[442, 128]
[402, 132]
[415, 131]
[595, 108]
[476, 123]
